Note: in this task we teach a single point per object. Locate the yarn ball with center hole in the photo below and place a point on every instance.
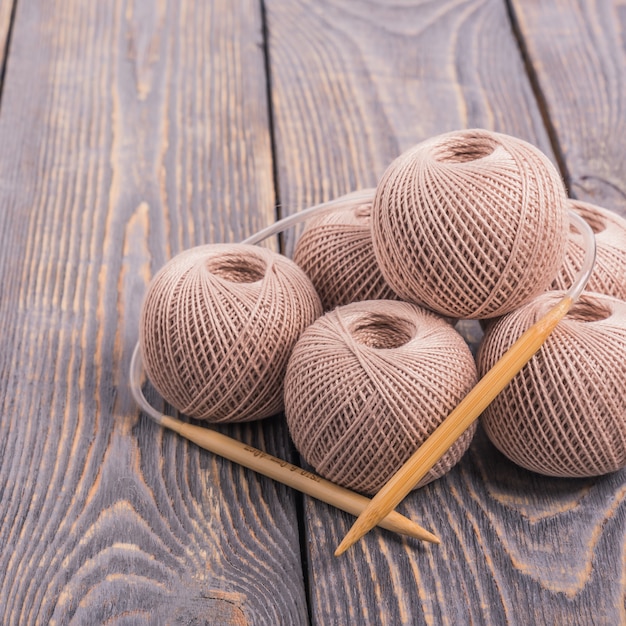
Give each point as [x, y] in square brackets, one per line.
[564, 413]
[609, 271]
[471, 224]
[336, 252]
[367, 384]
[217, 327]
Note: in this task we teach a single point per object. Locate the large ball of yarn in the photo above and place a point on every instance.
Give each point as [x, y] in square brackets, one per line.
[337, 254]
[471, 224]
[368, 383]
[609, 272]
[217, 327]
[564, 414]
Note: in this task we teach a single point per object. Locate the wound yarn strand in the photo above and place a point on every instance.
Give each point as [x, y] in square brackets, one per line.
[609, 274]
[337, 254]
[564, 413]
[217, 328]
[367, 383]
[470, 224]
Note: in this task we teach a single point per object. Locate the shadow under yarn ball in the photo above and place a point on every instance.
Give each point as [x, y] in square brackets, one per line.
[218, 324]
[337, 254]
[368, 383]
[471, 224]
[609, 272]
[564, 413]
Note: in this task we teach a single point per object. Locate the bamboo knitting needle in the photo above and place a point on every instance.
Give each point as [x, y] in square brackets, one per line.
[476, 401]
[271, 466]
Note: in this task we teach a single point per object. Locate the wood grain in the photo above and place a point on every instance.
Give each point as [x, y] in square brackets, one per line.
[353, 85]
[136, 128]
[577, 52]
[580, 72]
[130, 130]
[6, 14]
[357, 83]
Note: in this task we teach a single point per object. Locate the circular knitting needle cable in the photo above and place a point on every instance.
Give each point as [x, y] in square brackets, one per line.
[378, 511]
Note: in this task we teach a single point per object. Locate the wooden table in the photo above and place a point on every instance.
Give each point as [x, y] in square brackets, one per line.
[133, 129]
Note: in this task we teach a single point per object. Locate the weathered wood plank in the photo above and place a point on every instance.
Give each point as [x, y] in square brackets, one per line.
[6, 13]
[357, 83]
[577, 52]
[579, 66]
[130, 130]
[354, 84]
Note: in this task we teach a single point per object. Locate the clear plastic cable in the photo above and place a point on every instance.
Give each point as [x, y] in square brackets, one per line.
[590, 256]
[364, 196]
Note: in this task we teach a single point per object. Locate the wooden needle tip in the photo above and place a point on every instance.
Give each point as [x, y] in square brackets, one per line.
[432, 539]
[341, 548]
[424, 535]
[348, 541]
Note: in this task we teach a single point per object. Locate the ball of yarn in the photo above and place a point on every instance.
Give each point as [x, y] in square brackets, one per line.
[609, 272]
[217, 327]
[337, 254]
[368, 383]
[564, 414]
[471, 224]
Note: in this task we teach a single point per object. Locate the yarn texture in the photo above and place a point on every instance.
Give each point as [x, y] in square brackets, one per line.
[471, 224]
[564, 414]
[609, 272]
[217, 327]
[337, 254]
[367, 384]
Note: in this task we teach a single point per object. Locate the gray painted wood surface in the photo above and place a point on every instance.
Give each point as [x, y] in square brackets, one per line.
[131, 130]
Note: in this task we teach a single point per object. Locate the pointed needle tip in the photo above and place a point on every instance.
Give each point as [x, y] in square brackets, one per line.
[425, 535]
[342, 547]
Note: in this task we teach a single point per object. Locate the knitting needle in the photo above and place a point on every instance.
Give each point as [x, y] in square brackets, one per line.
[476, 401]
[273, 467]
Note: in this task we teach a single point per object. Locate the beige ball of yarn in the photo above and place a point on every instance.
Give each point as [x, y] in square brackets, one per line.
[471, 224]
[217, 327]
[367, 384]
[609, 272]
[337, 254]
[564, 414]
